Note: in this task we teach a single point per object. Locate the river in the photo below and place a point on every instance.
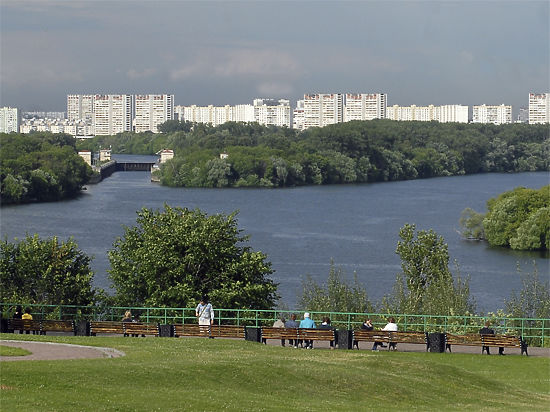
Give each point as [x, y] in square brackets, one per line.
[302, 229]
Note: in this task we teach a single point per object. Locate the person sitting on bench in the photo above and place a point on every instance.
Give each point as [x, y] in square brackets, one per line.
[486, 330]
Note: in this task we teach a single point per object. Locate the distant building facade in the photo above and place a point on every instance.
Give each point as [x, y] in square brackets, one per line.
[112, 114]
[323, 109]
[272, 112]
[492, 114]
[539, 108]
[9, 120]
[80, 107]
[443, 114]
[151, 110]
[365, 106]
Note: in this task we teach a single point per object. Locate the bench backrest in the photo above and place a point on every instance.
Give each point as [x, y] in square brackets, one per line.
[24, 324]
[269, 332]
[57, 326]
[106, 327]
[316, 334]
[390, 337]
[138, 328]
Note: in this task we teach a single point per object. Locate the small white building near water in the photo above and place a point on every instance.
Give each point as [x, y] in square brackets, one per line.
[166, 155]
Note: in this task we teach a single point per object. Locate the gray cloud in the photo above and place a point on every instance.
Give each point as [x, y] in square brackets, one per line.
[419, 52]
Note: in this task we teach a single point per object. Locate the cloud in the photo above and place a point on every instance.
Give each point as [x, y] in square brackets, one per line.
[134, 74]
[275, 88]
[240, 63]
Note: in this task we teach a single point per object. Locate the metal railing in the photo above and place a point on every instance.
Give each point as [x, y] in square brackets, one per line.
[535, 330]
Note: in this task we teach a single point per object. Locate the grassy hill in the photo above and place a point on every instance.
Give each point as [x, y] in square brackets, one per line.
[211, 375]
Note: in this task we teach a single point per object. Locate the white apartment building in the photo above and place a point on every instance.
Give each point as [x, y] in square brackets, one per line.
[9, 120]
[539, 108]
[151, 110]
[112, 114]
[272, 112]
[444, 114]
[323, 109]
[365, 106]
[263, 111]
[492, 114]
[80, 107]
[298, 116]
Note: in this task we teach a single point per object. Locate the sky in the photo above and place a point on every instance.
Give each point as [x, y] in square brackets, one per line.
[230, 52]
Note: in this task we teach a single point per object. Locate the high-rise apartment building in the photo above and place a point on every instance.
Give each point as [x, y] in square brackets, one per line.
[113, 113]
[365, 106]
[9, 120]
[80, 107]
[323, 109]
[298, 116]
[151, 110]
[444, 114]
[272, 112]
[539, 108]
[492, 114]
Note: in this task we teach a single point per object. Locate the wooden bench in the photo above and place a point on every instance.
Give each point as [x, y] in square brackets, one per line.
[214, 331]
[138, 328]
[269, 332]
[497, 341]
[27, 325]
[106, 327]
[391, 338]
[56, 326]
[317, 334]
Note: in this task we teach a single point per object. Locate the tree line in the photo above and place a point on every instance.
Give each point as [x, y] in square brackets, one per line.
[517, 219]
[352, 152]
[40, 167]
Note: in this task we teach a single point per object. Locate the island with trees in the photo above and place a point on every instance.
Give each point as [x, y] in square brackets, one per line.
[518, 219]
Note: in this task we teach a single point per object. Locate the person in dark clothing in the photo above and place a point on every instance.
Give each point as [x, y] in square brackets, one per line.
[326, 325]
[486, 330]
[292, 323]
[18, 312]
[367, 325]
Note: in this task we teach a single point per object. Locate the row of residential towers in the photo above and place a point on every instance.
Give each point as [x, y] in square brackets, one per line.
[95, 114]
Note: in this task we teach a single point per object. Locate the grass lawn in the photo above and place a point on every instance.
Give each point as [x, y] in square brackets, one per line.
[9, 351]
[210, 375]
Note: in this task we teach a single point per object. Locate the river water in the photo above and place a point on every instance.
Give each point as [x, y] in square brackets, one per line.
[302, 229]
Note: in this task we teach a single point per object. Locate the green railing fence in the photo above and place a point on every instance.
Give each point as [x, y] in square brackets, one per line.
[535, 330]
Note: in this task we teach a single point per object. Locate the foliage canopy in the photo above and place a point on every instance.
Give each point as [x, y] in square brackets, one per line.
[174, 256]
[46, 271]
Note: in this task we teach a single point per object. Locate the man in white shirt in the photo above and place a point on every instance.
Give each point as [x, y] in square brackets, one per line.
[391, 326]
[205, 312]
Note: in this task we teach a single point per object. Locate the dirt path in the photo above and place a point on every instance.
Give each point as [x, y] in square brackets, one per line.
[55, 351]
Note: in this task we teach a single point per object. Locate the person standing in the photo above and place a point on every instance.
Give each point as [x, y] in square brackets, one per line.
[205, 315]
[307, 323]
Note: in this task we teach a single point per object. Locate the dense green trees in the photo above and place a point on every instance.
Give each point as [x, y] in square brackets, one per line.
[518, 218]
[46, 271]
[352, 152]
[174, 256]
[41, 167]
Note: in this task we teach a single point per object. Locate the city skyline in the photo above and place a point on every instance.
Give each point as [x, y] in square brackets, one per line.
[418, 52]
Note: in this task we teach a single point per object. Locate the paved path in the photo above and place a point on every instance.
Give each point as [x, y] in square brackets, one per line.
[54, 351]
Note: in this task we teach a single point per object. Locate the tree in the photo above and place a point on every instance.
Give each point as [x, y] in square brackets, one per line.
[47, 271]
[426, 284]
[471, 223]
[334, 296]
[174, 256]
[533, 300]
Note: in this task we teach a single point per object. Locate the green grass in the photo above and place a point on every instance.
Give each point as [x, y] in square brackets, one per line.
[10, 351]
[210, 375]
